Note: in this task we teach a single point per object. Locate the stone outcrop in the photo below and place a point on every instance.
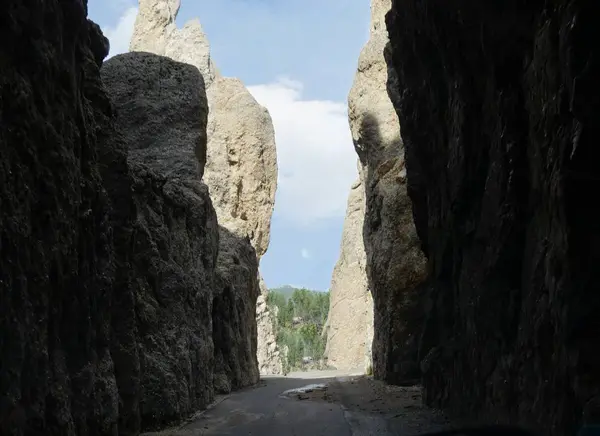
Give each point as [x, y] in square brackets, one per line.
[269, 356]
[56, 279]
[241, 170]
[168, 252]
[499, 106]
[155, 31]
[349, 337]
[395, 265]
[241, 167]
[234, 314]
[116, 314]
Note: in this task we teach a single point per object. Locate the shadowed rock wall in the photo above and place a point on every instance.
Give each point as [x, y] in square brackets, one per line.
[169, 249]
[56, 271]
[499, 104]
[109, 243]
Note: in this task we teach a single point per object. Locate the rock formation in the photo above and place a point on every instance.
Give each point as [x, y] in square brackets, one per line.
[241, 168]
[155, 31]
[499, 106]
[270, 360]
[234, 314]
[162, 113]
[395, 265]
[351, 306]
[123, 304]
[56, 370]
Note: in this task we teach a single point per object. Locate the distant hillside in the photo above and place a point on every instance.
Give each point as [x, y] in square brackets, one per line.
[287, 291]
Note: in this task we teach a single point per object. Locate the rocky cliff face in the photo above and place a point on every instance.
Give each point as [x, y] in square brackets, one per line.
[241, 168]
[56, 370]
[351, 307]
[115, 312]
[234, 314]
[394, 262]
[168, 252]
[270, 358]
[498, 106]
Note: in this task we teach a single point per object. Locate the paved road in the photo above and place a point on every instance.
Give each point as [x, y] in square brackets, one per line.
[264, 410]
[268, 409]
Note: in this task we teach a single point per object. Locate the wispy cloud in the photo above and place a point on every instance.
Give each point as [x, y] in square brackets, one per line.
[305, 253]
[120, 35]
[316, 161]
[314, 147]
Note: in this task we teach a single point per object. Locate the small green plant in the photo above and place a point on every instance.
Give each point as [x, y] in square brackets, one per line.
[369, 370]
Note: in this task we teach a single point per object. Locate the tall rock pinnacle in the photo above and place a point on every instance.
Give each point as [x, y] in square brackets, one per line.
[241, 162]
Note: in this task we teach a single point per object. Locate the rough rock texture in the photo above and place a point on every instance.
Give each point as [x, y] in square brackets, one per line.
[369, 333]
[108, 238]
[162, 113]
[234, 314]
[269, 356]
[395, 263]
[351, 307]
[499, 108]
[241, 172]
[241, 168]
[56, 371]
[155, 31]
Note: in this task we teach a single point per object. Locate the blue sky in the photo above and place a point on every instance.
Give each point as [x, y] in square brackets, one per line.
[298, 58]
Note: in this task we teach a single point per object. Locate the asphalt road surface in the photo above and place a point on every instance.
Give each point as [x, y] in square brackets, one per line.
[330, 403]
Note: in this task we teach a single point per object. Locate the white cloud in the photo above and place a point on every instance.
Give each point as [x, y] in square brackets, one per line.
[317, 162]
[305, 253]
[120, 35]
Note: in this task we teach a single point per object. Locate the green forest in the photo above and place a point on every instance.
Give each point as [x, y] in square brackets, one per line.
[301, 316]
